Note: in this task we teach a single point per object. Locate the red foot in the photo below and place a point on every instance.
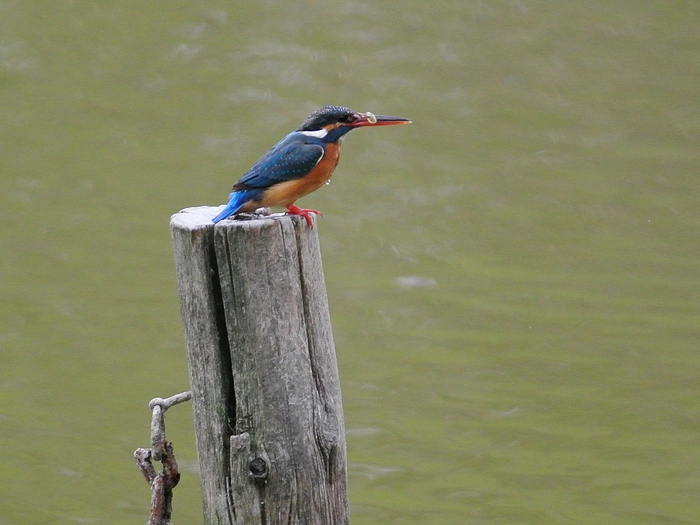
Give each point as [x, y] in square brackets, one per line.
[304, 212]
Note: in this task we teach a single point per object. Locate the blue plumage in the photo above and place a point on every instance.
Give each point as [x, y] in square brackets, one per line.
[236, 200]
[291, 158]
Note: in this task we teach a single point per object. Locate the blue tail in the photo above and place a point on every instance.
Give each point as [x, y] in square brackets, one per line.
[236, 200]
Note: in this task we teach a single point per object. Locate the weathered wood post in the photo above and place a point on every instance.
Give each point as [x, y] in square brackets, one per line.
[265, 389]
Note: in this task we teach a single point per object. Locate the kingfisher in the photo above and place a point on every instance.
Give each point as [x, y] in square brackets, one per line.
[300, 163]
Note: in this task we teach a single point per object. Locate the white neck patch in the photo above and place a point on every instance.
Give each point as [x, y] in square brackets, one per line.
[318, 134]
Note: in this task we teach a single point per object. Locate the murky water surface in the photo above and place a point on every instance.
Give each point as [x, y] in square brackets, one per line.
[514, 279]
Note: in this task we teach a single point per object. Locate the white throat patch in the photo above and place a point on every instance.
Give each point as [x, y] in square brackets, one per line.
[318, 134]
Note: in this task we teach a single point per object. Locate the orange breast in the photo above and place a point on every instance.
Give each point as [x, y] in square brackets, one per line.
[285, 193]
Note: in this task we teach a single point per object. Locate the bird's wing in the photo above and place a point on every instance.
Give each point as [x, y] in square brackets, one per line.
[291, 158]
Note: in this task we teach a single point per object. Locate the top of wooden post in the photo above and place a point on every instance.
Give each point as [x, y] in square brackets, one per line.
[199, 217]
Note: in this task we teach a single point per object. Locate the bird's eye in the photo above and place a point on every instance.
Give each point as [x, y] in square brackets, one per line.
[344, 119]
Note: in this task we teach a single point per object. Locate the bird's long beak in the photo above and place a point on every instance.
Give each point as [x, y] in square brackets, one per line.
[369, 119]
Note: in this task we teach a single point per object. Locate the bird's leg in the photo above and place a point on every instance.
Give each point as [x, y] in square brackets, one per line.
[304, 212]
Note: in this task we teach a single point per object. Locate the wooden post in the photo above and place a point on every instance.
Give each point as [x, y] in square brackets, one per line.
[265, 390]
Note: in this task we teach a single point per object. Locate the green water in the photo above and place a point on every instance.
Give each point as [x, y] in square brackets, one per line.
[514, 279]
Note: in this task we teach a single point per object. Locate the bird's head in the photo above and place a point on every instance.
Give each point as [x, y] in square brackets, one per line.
[332, 122]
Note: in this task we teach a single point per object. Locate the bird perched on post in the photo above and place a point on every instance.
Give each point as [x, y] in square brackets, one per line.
[300, 163]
